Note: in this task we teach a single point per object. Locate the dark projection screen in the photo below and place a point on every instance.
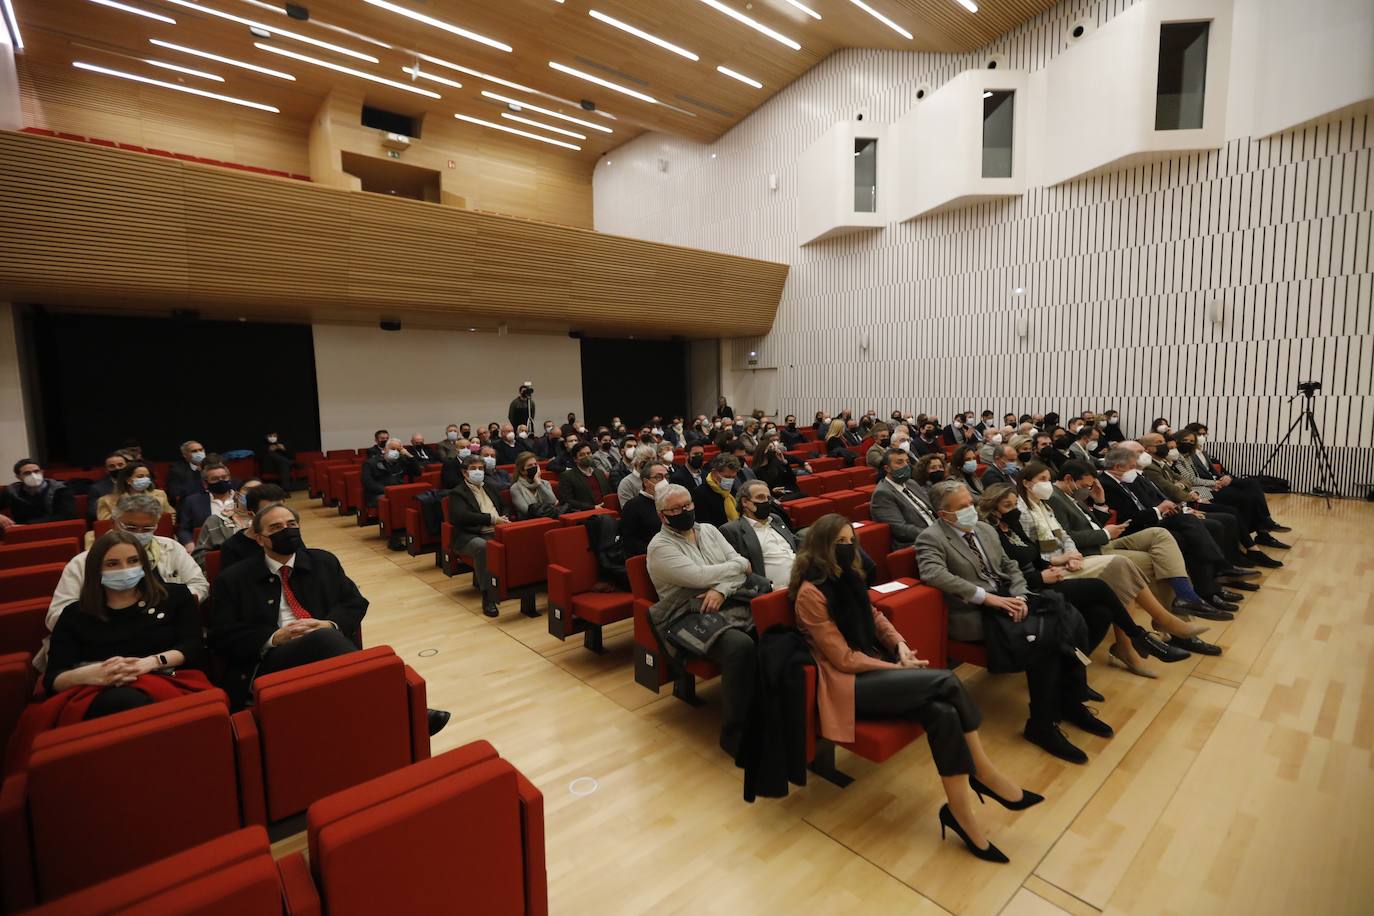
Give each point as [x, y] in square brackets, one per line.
[633, 379]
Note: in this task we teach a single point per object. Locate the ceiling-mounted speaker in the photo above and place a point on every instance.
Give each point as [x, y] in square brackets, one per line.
[587, 105]
[389, 324]
[922, 91]
[296, 11]
[1079, 30]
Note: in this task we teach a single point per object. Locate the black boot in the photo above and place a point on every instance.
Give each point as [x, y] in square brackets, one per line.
[1049, 738]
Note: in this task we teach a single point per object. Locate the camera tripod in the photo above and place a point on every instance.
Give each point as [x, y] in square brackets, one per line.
[1329, 485]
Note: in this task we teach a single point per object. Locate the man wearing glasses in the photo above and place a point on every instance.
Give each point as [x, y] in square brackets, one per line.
[639, 520]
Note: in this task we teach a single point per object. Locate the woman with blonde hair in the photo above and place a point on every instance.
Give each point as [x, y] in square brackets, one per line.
[835, 444]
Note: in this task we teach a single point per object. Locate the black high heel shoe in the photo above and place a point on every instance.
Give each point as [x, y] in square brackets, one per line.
[1028, 798]
[990, 854]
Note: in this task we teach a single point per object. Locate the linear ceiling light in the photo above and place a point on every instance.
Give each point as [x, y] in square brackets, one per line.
[516, 130]
[113, 4]
[12, 24]
[616, 87]
[280, 10]
[558, 130]
[740, 76]
[546, 111]
[340, 68]
[969, 5]
[752, 23]
[253, 23]
[883, 19]
[640, 33]
[178, 87]
[180, 69]
[806, 9]
[441, 24]
[477, 73]
[417, 73]
[223, 60]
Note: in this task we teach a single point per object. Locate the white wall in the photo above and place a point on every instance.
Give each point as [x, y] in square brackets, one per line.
[10, 114]
[14, 425]
[1118, 269]
[421, 380]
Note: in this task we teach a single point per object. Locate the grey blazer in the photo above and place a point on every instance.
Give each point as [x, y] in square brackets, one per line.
[1072, 520]
[740, 534]
[946, 561]
[895, 510]
[992, 474]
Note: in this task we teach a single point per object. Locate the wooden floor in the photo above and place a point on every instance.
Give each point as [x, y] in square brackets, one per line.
[1238, 784]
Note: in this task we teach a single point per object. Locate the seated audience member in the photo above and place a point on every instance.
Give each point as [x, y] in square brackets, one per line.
[1111, 427]
[867, 671]
[570, 428]
[216, 497]
[692, 472]
[790, 434]
[448, 449]
[393, 467]
[694, 570]
[927, 440]
[422, 453]
[674, 434]
[531, 495]
[605, 453]
[749, 438]
[837, 446]
[381, 439]
[963, 558]
[714, 500]
[1232, 525]
[1161, 425]
[1002, 466]
[628, 454]
[639, 520]
[742, 455]
[507, 447]
[135, 477]
[853, 435]
[564, 460]
[1042, 447]
[274, 458]
[548, 445]
[136, 515]
[496, 475]
[183, 477]
[32, 500]
[293, 607]
[220, 528]
[992, 442]
[772, 468]
[666, 453]
[114, 463]
[241, 545]
[724, 433]
[1081, 449]
[955, 433]
[474, 510]
[760, 536]
[928, 470]
[882, 436]
[584, 485]
[973, 434]
[1246, 496]
[899, 503]
[986, 423]
[963, 467]
[627, 486]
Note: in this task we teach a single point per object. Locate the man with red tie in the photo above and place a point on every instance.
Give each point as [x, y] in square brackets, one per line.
[294, 606]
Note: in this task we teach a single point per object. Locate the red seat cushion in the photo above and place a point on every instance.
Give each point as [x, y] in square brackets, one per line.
[879, 739]
[602, 608]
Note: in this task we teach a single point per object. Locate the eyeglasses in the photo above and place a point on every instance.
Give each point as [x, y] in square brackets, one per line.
[657, 477]
[678, 511]
[151, 529]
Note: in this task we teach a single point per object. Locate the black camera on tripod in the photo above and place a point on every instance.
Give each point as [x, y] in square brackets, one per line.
[1309, 388]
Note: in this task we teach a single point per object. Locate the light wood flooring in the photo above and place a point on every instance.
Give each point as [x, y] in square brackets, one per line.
[1239, 784]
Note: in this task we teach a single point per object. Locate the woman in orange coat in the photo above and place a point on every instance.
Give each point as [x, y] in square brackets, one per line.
[868, 671]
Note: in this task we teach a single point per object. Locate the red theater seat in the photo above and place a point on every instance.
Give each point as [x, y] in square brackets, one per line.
[821, 465]
[391, 511]
[329, 479]
[804, 512]
[848, 503]
[44, 531]
[27, 593]
[518, 559]
[652, 665]
[573, 604]
[80, 812]
[459, 833]
[38, 553]
[569, 519]
[16, 686]
[876, 540]
[335, 723]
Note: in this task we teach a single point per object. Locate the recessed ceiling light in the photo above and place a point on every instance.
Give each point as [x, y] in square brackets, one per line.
[11, 24]
[881, 18]
[741, 77]
[114, 4]
[640, 33]
[805, 9]
[178, 87]
[564, 68]
[515, 130]
[546, 111]
[986, 94]
[752, 23]
[558, 130]
[223, 60]
[180, 69]
[441, 24]
[416, 72]
[968, 5]
[477, 73]
[340, 68]
[252, 23]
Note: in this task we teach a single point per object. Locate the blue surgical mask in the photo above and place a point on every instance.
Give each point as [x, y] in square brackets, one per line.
[452, 435]
[464, 452]
[121, 580]
[1012, 467]
[966, 518]
[139, 484]
[143, 537]
[491, 462]
[197, 457]
[970, 467]
[392, 454]
[477, 476]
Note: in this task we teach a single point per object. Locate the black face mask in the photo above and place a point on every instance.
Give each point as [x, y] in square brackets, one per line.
[1161, 451]
[1024, 457]
[1012, 517]
[286, 541]
[532, 471]
[792, 426]
[1186, 448]
[935, 476]
[607, 445]
[696, 461]
[844, 556]
[1047, 454]
[220, 487]
[683, 521]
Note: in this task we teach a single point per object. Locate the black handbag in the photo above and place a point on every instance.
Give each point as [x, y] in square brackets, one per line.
[1052, 626]
[695, 631]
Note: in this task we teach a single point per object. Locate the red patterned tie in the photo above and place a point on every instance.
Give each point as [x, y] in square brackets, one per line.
[290, 596]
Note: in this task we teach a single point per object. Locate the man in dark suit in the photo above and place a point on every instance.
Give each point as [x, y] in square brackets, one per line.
[1245, 497]
[275, 458]
[760, 536]
[114, 463]
[521, 409]
[583, 485]
[34, 500]
[963, 558]
[393, 467]
[183, 477]
[1003, 468]
[422, 453]
[379, 440]
[693, 472]
[639, 520]
[899, 503]
[214, 497]
[509, 446]
[717, 487]
[475, 510]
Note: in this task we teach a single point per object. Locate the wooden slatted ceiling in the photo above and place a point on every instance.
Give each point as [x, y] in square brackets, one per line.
[700, 103]
[81, 224]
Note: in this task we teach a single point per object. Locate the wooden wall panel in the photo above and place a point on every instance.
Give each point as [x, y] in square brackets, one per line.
[85, 224]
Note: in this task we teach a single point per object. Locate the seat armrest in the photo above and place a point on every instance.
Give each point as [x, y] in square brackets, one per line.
[417, 699]
[532, 836]
[16, 853]
[299, 896]
[248, 759]
[498, 567]
[560, 586]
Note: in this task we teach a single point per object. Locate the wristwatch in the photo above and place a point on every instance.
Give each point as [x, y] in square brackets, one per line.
[162, 661]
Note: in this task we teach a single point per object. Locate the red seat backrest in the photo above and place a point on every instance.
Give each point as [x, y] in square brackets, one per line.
[102, 526]
[641, 586]
[349, 453]
[919, 614]
[45, 531]
[30, 582]
[526, 558]
[38, 553]
[773, 609]
[876, 540]
[567, 546]
[847, 502]
[400, 498]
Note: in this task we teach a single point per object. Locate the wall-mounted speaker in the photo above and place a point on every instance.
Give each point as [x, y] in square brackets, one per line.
[1023, 326]
[922, 91]
[575, 335]
[389, 324]
[1079, 30]
[995, 62]
[773, 182]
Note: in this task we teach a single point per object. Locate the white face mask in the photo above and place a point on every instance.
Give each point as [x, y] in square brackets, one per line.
[1174, 454]
[451, 435]
[966, 518]
[272, 440]
[509, 437]
[33, 479]
[630, 452]
[197, 457]
[1162, 428]
[1042, 490]
[1201, 440]
[1130, 476]
[996, 439]
[1144, 460]
[1112, 420]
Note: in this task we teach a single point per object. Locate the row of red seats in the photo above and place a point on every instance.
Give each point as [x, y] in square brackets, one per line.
[184, 157]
